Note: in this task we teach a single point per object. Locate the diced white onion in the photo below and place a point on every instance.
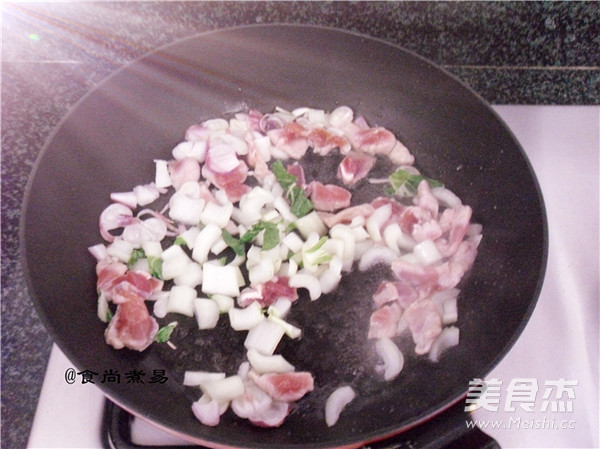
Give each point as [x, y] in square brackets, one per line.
[264, 337]
[102, 307]
[427, 252]
[375, 255]
[280, 307]
[120, 249]
[448, 337]
[289, 329]
[220, 280]
[197, 378]
[311, 222]
[181, 300]
[336, 402]
[341, 116]
[307, 281]
[162, 178]
[224, 390]
[128, 199]
[225, 303]
[376, 221]
[206, 312]
[98, 251]
[445, 197]
[161, 304]
[206, 238]
[261, 272]
[207, 411]
[393, 360]
[174, 262]
[246, 318]
[146, 194]
[268, 363]
[217, 215]
[190, 149]
[152, 248]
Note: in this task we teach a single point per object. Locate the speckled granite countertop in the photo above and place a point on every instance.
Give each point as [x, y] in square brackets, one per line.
[53, 53]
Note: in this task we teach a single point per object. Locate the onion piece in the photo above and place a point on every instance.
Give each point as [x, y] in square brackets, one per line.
[393, 359]
[336, 402]
[448, 337]
[181, 300]
[197, 378]
[246, 318]
[206, 312]
[207, 411]
[265, 337]
[307, 281]
[113, 217]
[224, 390]
[375, 255]
[268, 363]
[220, 280]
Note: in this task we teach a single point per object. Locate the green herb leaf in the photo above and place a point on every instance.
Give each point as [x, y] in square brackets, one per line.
[155, 264]
[179, 240]
[271, 237]
[164, 333]
[270, 240]
[109, 315]
[406, 183]
[236, 245]
[300, 205]
[136, 255]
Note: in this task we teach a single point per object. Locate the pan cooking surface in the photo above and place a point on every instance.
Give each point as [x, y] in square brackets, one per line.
[108, 142]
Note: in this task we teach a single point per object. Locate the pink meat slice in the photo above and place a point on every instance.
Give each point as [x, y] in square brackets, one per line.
[425, 324]
[354, 167]
[329, 197]
[384, 321]
[286, 387]
[131, 327]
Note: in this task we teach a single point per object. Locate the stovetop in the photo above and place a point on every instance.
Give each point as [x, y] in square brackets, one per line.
[546, 386]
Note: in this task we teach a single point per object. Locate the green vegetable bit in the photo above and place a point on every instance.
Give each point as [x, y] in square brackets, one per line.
[300, 205]
[270, 239]
[405, 183]
[164, 333]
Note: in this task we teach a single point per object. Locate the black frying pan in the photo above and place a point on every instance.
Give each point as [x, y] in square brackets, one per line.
[108, 143]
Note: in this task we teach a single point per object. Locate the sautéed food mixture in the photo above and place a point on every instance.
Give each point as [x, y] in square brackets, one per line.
[246, 232]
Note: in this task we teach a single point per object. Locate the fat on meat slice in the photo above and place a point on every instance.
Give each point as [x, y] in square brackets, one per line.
[354, 167]
[425, 324]
[135, 284]
[131, 327]
[285, 387]
[384, 321]
[329, 197]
